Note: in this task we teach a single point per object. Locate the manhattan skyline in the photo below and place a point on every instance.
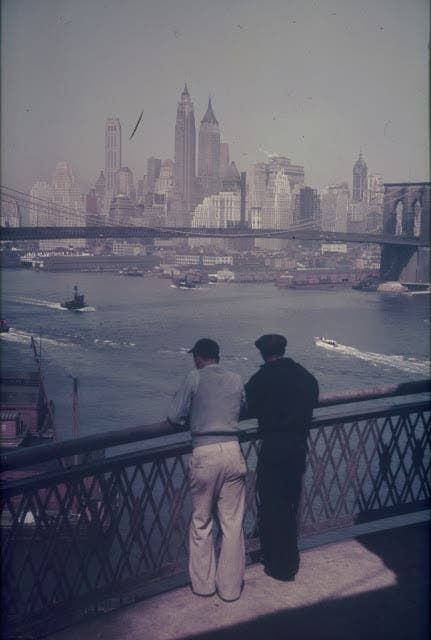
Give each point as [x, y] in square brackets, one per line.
[314, 81]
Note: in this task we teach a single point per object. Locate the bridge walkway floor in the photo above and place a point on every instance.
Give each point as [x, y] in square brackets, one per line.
[374, 586]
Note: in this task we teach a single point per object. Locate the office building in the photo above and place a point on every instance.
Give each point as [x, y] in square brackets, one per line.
[360, 181]
[209, 154]
[185, 151]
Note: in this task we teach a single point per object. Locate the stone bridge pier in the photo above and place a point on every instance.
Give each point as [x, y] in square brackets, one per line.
[406, 214]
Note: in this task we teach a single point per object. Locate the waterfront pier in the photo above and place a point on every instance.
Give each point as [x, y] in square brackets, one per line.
[98, 546]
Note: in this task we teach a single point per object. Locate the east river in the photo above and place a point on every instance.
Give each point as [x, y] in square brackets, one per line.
[128, 349]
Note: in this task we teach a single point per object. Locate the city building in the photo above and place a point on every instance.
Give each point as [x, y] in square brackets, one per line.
[124, 183]
[112, 157]
[222, 210]
[41, 213]
[10, 212]
[224, 158]
[121, 210]
[231, 178]
[360, 181]
[209, 154]
[185, 151]
[100, 188]
[153, 173]
[307, 208]
[272, 187]
[334, 207]
[69, 205]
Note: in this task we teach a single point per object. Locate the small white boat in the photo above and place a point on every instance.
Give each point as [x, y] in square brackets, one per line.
[323, 342]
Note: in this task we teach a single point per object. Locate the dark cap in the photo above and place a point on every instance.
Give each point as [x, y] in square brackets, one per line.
[206, 348]
[271, 344]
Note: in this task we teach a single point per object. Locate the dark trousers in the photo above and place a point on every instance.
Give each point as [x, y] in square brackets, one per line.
[279, 479]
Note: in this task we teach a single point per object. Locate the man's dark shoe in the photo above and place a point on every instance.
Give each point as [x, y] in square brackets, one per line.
[284, 577]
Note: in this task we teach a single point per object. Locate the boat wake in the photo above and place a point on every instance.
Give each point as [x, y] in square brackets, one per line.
[404, 363]
[111, 343]
[39, 303]
[36, 302]
[84, 310]
[22, 337]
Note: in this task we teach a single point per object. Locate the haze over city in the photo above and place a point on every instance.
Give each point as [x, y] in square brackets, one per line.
[314, 81]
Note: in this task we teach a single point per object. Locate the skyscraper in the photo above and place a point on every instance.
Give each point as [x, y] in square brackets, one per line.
[67, 197]
[185, 150]
[209, 154]
[112, 156]
[360, 184]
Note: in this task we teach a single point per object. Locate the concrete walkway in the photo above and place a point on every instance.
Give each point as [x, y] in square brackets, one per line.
[373, 587]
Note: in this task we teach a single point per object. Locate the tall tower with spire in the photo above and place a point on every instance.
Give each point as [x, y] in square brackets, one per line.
[209, 154]
[360, 180]
[185, 150]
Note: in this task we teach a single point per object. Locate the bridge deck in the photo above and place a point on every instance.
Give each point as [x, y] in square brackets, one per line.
[14, 234]
[375, 586]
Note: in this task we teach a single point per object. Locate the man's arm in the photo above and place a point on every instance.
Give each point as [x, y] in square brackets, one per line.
[163, 428]
[179, 411]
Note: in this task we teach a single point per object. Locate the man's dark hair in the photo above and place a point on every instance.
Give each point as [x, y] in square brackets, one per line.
[206, 348]
[271, 344]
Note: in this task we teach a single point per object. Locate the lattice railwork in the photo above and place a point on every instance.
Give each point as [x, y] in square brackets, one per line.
[76, 537]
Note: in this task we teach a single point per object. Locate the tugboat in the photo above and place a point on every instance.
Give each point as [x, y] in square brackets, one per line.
[4, 327]
[77, 302]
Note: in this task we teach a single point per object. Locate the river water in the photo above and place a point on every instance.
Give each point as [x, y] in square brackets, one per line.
[128, 349]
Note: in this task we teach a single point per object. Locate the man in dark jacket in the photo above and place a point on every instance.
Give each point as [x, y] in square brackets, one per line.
[281, 395]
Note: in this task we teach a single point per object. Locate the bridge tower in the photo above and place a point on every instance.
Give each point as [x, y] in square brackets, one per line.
[406, 214]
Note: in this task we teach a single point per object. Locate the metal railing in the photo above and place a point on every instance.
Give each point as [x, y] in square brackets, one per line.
[83, 531]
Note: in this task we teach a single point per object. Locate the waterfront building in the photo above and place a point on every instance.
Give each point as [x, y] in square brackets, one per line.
[112, 157]
[334, 207]
[209, 154]
[360, 182]
[185, 151]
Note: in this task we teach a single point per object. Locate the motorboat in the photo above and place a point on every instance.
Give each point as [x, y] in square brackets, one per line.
[321, 341]
[76, 303]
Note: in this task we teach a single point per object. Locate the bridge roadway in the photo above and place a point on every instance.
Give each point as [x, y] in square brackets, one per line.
[14, 234]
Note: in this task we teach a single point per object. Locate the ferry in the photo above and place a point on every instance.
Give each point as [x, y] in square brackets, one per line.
[76, 303]
[323, 342]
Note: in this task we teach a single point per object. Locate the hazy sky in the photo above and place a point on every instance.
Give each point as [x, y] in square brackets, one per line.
[313, 80]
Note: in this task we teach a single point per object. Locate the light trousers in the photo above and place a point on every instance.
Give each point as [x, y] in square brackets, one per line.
[217, 485]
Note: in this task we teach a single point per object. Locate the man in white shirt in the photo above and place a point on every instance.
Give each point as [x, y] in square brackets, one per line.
[209, 404]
